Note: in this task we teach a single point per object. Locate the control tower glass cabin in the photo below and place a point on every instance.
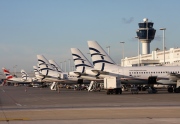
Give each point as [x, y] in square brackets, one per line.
[146, 33]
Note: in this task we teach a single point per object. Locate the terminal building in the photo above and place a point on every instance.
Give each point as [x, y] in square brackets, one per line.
[156, 58]
[145, 35]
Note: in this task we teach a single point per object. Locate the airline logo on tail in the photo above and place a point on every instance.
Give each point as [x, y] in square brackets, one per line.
[37, 73]
[99, 57]
[24, 75]
[102, 60]
[80, 61]
[55, 66]
[7, 73]
[82, 64]
[43, 64]
[45, 67]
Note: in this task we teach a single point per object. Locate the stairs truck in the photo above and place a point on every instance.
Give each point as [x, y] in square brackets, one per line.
[112, 85]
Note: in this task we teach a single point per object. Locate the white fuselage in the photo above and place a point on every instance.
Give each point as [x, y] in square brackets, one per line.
[140, 75]
[65, 77]
[16, 80]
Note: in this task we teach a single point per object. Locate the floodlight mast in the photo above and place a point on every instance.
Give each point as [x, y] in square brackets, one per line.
[163, 29]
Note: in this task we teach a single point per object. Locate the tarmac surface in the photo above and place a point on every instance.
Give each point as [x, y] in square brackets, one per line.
[29, 105]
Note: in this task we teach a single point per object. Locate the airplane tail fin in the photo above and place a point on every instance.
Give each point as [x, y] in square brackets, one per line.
[99, 57]
[7, 73]
[44, 65]
[46, 68]
[25, 76]
[36, 71]
[38, 68]
[55, 66]
[37, 74]
[80, 61]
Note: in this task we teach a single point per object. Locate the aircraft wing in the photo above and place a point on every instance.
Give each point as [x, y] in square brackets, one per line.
[100, 72]
[79, 73]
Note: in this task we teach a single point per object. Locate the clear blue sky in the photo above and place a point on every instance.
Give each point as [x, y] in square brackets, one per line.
[52, 27]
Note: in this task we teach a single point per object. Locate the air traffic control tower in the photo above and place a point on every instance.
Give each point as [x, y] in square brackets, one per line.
[145, 34]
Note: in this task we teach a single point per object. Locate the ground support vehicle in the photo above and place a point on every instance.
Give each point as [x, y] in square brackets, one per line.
[112, 85]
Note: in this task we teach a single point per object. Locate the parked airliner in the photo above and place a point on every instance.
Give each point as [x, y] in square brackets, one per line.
[49, 72]
[84, 69]
[24, 79]
[134, 75]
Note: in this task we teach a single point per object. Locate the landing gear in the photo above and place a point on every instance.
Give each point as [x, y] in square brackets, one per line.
[109, 91]
[177, 90]
[152, 90]
[144, 88]
[134, 90]
[173, 89]
[170, 89]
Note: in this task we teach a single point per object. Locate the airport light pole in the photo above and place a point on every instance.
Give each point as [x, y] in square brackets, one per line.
[108, 47]
[123, 51]
[138, 51]
[72, 68]
[69, 65]
[163, 42]
[65, 66]
[61, 65]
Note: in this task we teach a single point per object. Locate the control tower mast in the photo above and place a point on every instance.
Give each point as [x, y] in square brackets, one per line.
[145, 34]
